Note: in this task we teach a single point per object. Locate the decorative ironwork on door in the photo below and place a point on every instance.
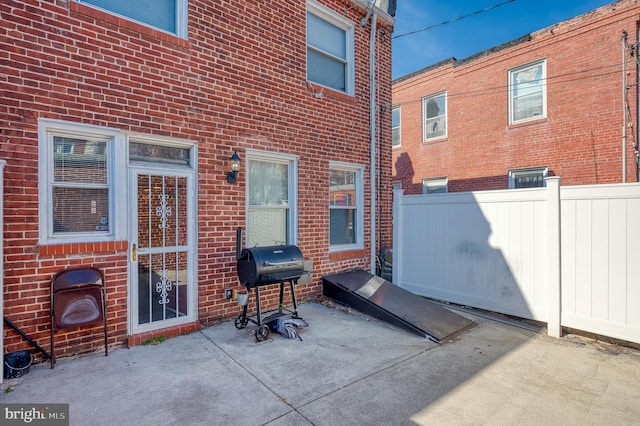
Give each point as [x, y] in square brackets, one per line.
[162, 250]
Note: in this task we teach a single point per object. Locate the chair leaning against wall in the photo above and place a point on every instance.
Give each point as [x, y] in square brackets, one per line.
[78, 299]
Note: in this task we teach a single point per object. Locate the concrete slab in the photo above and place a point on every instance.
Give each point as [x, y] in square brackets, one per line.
[349, 369]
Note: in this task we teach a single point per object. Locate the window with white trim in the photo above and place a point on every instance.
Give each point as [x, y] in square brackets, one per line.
[528, 92]
[435, 185]
[272, 199]
[77, 182]
[346, 206]
[167, 15]
[330, 49]
[532, 177]
[395, 126]
[434, 114]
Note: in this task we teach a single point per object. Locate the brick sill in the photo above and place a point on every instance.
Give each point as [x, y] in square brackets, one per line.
[76, 248]
[325, 92]
[435, 141]
[347, 254]
[527, 123]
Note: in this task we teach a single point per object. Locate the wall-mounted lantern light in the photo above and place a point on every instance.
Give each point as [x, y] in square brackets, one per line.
[235, 167]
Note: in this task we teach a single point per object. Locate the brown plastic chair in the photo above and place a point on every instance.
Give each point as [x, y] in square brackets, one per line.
[78, 299]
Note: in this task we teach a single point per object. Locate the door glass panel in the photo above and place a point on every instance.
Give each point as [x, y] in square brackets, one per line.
[159, 153]
[162, 248]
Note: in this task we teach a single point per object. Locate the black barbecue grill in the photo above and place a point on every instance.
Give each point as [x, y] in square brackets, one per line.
[261, 266]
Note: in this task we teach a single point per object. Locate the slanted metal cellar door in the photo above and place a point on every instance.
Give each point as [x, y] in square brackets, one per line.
[161, 256]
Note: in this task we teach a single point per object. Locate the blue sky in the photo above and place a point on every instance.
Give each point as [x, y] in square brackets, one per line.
[472, 34]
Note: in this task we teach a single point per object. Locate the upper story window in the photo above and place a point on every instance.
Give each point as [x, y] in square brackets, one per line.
[435, 185]
[167, 15]
[330, 49]
[434, 113]
[395, 126]
[527, 92]
[532, 177]
[346, 206]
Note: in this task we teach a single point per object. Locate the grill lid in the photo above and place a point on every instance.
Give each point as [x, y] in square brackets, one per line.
[270, 264]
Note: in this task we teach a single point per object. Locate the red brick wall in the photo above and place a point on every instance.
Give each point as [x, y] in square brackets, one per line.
[579, 140]
[238, 82]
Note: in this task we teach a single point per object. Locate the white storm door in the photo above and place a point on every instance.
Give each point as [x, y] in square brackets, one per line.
[162, 262]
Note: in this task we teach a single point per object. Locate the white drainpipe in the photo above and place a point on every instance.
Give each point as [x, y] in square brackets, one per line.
[372, 165]
[2, 164]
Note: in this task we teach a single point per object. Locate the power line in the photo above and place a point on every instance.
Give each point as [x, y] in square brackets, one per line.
[456, 19]
[569, 77]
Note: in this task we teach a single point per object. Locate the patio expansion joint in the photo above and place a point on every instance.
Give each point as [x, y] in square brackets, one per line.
[397, 362]
[280, 397]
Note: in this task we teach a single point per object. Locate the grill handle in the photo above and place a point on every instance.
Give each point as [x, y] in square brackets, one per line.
[238, 243]
[288, 262]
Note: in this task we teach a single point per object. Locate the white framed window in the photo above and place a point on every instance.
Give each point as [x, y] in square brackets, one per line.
[346, 206]
[330, 49]
[78, 183]
[438, 185]
[395, 126]
[434, 116]
[532, 177]
[528, 92]
[272, 182]
[167, 15]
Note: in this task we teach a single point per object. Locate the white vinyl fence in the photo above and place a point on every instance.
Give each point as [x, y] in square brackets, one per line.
[568, 256]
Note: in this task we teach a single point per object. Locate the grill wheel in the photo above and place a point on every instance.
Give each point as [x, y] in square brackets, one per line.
[241, 322]
[262, 333]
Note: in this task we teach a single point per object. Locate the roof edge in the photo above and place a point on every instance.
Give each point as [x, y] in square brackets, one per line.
[458, 62]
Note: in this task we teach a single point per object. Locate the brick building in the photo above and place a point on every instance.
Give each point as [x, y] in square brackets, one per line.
[548, 103]
[117, 124]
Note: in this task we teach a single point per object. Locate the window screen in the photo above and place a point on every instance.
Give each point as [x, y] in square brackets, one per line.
[269, 211]
[80, 186]
[343, 207]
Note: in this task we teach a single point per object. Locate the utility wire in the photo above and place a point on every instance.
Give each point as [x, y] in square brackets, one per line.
[548, 81]
[456, 19]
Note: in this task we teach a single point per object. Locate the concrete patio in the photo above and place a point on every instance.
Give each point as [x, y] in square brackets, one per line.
[349, 369]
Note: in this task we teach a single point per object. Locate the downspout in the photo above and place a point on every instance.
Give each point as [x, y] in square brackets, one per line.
[372, 143]
[2, 165]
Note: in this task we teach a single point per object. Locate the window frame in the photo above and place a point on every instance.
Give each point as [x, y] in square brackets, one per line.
[292, 188]
[116, 182]
[359, 206]
[425, 101]
[512, 90]
[398, 128]
[439, 182]
[181, 18]
[328, 15]
[515, 173]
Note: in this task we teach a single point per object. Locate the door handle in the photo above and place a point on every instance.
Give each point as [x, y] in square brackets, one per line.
[134, 253]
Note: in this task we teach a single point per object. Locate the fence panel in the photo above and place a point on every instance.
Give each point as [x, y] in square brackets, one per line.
[483, 249]
[490, 250]
[600, 232]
